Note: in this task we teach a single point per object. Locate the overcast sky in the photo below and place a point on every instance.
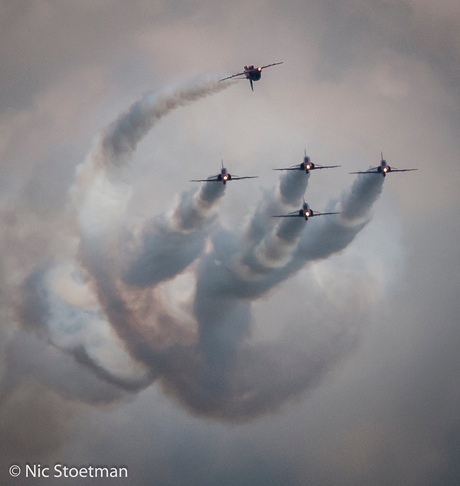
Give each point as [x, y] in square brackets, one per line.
[175, 328]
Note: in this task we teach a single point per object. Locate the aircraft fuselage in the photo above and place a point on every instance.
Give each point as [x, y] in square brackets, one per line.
[224, 176]
[383, 168]
[306, 212]
[307, 165]
[252, 73]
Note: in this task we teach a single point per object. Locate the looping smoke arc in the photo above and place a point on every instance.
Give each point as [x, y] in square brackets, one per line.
[110, 307]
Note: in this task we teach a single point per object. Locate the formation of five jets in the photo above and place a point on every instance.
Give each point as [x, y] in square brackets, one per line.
[254, 74]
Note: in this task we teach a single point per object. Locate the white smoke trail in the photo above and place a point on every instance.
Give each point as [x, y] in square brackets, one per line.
[224, 293]
[97, 197]
[275, 249]
[169, 244]
[204, 357]
[222, 307]
[261, 236]
[100, 200]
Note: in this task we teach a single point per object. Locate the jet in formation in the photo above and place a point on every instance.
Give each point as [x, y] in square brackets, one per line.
[252, 73]
[303, 212]
[307, 165]
[223, 177]
[383, 168]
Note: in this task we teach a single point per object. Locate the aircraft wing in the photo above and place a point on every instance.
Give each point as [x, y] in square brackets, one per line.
[270, 65]
[324, 166]
[294, 167]
[401, 170]
[233, 76]
[370, 171]
[245, 177]
[210, 179]
[320, 214]
[294, 214]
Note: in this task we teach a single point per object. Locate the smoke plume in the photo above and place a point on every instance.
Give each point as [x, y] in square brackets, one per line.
[107, 305]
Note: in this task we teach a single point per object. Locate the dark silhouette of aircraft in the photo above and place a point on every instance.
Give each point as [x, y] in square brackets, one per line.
[303, 212]
[383, 168]
[252, 73]
[307, 165]
[223, 177]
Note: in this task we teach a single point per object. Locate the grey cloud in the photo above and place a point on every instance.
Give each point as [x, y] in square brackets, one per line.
[29, 357]
[35, 423]
[387, 408]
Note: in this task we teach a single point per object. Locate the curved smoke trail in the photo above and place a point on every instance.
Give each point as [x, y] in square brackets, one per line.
[99, 200]
[199, 353]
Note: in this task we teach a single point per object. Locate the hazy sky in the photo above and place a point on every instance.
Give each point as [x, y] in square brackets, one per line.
[174, 328]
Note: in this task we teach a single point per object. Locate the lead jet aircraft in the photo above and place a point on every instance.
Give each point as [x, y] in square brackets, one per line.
[307, 165]
[303, 212]
[252, 73]
[223, 177]
[383, 168]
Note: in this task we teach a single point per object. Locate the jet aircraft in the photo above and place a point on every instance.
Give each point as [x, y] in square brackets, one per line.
[252, 73]
[307, 165]
[223, 177]
[303, 212]
[383, 168]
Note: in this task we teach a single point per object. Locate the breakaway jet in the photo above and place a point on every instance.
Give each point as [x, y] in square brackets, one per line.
[383, 168]
[252, 73]
[223, 177]
[303, 212]
[307, 165]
